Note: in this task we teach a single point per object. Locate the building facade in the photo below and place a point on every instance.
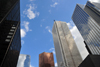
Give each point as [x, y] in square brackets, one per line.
[87, 20]
[46, 60]
[23, 61]
[67, 53]
[10, 41]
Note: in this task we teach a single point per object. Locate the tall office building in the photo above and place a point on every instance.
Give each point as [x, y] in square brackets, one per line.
[46, 60]
[87, 19]
[66, 50]
[23, 61]
[10, 42]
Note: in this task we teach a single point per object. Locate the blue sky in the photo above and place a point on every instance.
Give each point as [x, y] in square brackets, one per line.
[37, 18]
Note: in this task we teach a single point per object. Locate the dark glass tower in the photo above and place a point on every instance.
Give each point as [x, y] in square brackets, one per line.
[10, 42]
[87, 19]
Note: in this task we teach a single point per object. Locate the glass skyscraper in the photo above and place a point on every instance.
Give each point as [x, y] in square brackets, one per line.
[23, 61]
[10, 42]
[66, 50]
[87, 19]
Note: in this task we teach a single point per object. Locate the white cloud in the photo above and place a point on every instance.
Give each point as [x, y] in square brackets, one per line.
[32, 0]
[54, 0]
[50, 40]
[54, 4]
[31, 66]
[79, 40]
[53, 52]
[52, 49]
[22, 42]
[25, 24]
[56, 64]
[49, 30]
[98, 1]
[30, 12]
[26, 28]
[41, 25]
[30, 30]
[23, 33]
[43, 20]
[49, 11]
[70, 24]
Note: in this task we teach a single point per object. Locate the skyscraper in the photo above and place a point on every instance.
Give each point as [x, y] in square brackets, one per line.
[23, 61]
[87, 19]
[66, 50]
[10, 42]
[46, 60]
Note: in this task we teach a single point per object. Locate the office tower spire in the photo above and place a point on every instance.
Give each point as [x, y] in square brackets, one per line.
[66, 50]
[87, 19]
[10, 42]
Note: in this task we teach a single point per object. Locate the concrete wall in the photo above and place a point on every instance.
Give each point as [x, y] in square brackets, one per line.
[65, 46]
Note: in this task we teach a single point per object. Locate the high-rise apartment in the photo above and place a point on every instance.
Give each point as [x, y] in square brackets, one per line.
[66, 50]
[10, 42]
[46, 60]
[87, 19]
[23, 61]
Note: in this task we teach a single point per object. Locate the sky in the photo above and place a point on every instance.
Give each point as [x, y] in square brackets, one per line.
[37, 19]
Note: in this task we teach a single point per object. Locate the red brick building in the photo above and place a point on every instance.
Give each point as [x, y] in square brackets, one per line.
[46, 60]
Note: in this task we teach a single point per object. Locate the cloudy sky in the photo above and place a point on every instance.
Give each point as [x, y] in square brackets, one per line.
[37, 18]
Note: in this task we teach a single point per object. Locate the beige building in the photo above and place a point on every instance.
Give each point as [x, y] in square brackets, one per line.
[67, 53]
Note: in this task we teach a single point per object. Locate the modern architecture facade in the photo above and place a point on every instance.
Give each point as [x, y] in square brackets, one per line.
[10, 42]
[23, 61]
[87, 20]
[46, 60]
[67, 53]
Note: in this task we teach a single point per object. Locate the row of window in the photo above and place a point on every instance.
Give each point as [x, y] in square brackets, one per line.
[93, 7]
[16, 43]
[88, 29]
[89, 4]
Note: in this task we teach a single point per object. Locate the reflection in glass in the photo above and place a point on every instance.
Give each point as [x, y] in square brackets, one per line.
[87, 21]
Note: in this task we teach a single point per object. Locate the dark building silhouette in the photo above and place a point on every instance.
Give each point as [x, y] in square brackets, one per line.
[87, 19]
[91, 61]
[46, 60]
[10, 42]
